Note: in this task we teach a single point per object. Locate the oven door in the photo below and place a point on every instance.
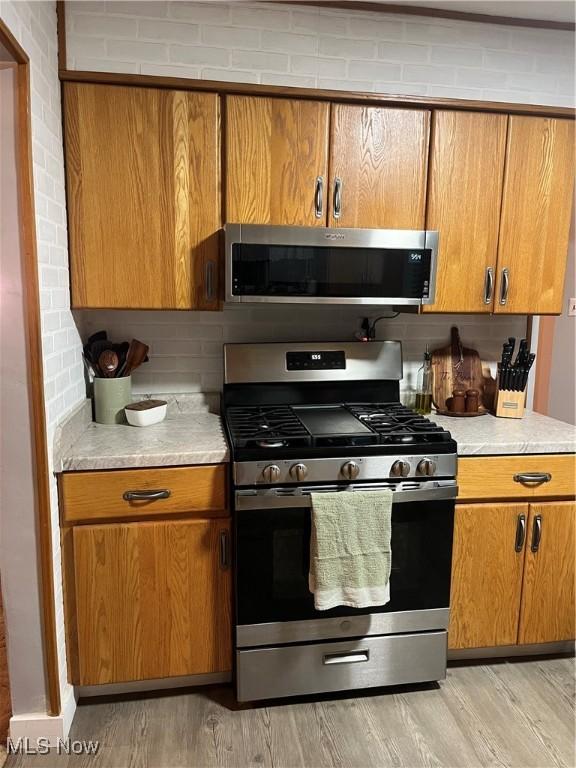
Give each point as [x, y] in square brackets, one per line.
[303, 264]
[273, 601]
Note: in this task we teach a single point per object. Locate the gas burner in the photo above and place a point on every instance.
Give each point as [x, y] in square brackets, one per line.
[266, 427]
[271, 443]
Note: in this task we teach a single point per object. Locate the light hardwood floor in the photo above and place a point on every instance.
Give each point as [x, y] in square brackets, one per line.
[517, 713]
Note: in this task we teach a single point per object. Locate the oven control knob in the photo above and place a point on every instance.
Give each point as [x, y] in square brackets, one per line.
[400, 468]
[271, 473]
[426, 467]
[350, 470]
[299, 472]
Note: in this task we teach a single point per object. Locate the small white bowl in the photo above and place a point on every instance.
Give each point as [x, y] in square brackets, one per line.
[146, 412]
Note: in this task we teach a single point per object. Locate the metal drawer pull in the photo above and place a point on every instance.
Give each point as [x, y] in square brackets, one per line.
[224, 550]
[520, 533]
[145, 495]
[319, 197]
[348, 657]
[532, 477]
[489, 286]
[505, 286]
[337, 197]
[536, 533]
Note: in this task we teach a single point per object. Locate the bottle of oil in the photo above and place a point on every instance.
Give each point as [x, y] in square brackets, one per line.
[424, 385]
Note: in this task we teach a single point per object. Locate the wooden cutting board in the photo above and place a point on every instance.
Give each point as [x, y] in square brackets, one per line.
[458, 367]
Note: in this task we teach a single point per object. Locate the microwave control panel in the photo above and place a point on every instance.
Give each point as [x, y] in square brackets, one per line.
[315, 361]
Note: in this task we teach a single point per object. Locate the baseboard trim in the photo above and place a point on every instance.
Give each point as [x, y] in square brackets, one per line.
[159, 684]
[500, 651]
[32, 726]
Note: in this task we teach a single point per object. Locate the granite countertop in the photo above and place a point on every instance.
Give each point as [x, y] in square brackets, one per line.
[190, 434]
[489, 435]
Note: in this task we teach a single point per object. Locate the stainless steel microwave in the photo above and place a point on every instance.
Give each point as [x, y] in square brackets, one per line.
[318, 265]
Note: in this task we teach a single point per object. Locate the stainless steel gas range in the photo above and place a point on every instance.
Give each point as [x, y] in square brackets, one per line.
[309, 418]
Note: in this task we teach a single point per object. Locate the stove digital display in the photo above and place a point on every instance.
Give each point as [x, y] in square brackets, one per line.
[315, 361]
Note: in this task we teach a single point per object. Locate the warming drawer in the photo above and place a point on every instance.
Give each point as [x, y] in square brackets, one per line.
[269, 673]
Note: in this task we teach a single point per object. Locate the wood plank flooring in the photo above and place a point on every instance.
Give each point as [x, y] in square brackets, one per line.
[518, 713]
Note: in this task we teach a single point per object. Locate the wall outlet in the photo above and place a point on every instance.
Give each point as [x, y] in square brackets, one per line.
[572, 308]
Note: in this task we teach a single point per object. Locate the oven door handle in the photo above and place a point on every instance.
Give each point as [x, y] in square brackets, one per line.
[277, 498]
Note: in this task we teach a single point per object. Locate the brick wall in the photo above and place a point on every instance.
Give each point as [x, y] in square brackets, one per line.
[312, 47]
[34, 26]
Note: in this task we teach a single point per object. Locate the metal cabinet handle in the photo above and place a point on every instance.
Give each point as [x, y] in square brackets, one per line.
[319, 197]
[532, 478]
[505, 286]
[489, 285]
[224, 550]
[536, 533]
[145, 495]
[520, 533]
[348, 657]
[337, 197]
[209, 280]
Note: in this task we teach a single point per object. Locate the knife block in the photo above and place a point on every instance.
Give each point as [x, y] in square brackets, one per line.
[510, 404]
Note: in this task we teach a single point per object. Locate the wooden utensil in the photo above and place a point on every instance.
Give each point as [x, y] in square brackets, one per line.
[457, 367]
[135, 356]
[108, 363]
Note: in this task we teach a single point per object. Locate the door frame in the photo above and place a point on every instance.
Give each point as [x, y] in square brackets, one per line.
[29, 264]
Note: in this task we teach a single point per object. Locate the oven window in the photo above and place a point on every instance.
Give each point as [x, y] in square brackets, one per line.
[272, 561]
[277, 270]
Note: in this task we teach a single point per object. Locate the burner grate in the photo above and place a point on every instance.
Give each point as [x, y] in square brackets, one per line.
[397, 424]
[266, 427]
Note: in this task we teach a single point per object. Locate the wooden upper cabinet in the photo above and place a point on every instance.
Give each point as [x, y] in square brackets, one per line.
[153, 600]
[547, 613]
[143, 186]
[378, 165]
[536, 213]
[276, 158]
[467, 151]
[486, 574]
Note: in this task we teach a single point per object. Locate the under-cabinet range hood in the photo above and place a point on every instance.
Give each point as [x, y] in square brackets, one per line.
[319, 265]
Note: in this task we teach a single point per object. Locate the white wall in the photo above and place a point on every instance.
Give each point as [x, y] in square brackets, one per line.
[34, 26]
[311, 47]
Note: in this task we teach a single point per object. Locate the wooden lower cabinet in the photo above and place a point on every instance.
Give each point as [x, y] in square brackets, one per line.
[486, 575]
[512, 574]
[547, 611]
[152, 600]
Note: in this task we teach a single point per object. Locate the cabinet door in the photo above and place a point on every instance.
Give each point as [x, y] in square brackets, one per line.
[464, 197]
[143, 183]
[547, 612]
[536, 211]
[378, 164]
[487, 563]
[276, 156]
[153, 600]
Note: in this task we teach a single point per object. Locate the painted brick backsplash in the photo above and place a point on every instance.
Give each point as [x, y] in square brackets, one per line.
[318, 47]
[186, 347]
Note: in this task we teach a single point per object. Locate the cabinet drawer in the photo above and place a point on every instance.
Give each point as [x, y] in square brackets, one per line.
[493, 477]
[294, 670]
[89, 496]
